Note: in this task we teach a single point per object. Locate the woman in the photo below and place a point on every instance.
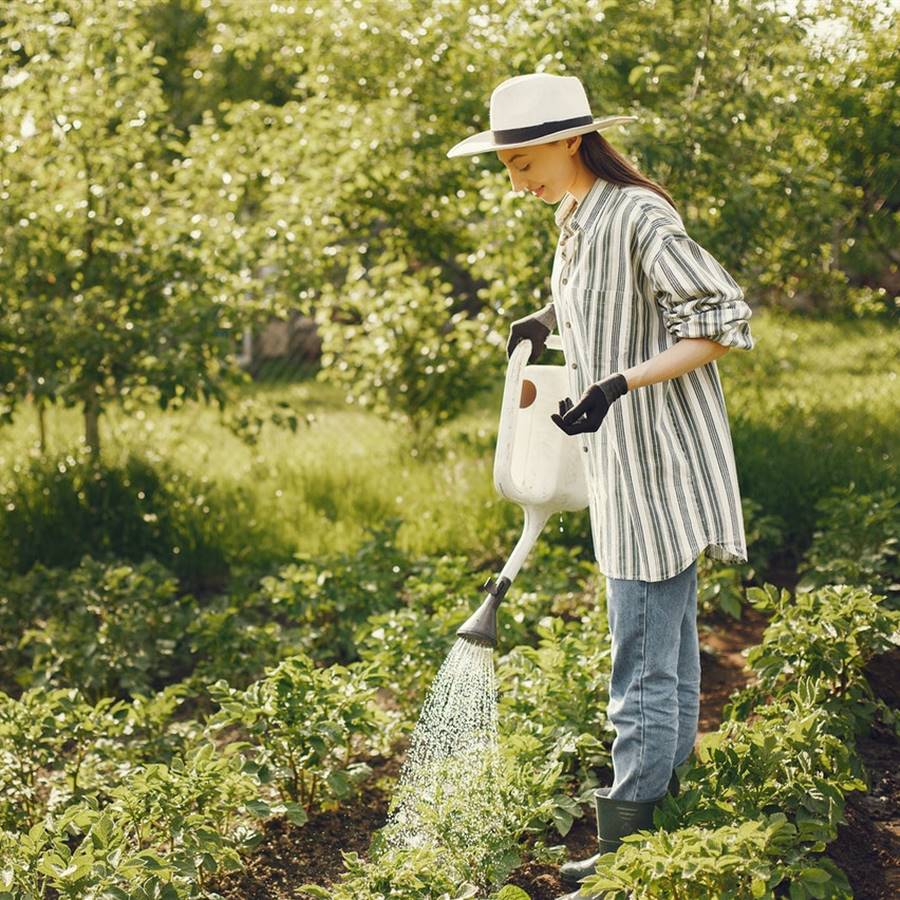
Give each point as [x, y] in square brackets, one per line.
[643, 312]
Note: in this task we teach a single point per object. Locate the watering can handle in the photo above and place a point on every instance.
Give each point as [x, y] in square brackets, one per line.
[553, 342]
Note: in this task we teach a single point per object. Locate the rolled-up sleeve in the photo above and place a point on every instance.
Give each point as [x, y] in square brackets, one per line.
[697, 296]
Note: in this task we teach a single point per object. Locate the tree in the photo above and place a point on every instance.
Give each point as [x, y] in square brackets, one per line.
[105, 295]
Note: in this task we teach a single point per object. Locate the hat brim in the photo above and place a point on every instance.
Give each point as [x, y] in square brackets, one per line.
[484, 140]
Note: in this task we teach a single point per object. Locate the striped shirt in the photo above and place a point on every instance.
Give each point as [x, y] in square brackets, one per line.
[628, 283]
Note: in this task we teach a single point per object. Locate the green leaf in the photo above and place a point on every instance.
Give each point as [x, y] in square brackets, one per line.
[339, 783]
[758, 597]
[315, 890]
[511, 892]
[563, 821]
[295, 813]
[730, 605]
[814, 873]
[258, 808]
[468, 890]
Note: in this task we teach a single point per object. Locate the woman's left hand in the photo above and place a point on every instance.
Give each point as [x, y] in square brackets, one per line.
[591, 410]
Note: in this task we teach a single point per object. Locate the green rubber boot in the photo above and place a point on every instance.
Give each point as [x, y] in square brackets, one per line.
[574, 871]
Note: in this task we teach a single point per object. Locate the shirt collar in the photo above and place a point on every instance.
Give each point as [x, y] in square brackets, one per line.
[573, 214]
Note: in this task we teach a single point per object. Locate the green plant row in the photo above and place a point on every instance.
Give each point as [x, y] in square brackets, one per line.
[765, 793]
[121, 799]
[760, 801]
[303, 729]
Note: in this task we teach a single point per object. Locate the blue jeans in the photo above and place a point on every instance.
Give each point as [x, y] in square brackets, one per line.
[654, 691]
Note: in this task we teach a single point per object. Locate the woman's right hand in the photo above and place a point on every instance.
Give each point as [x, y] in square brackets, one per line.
[529, 328]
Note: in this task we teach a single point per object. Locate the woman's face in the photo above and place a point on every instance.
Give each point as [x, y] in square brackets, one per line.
[546, 170]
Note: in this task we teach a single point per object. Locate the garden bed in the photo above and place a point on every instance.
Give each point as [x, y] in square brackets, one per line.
[290, 855]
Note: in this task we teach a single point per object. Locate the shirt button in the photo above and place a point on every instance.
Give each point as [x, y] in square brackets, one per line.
[565, 280]
[568, 324]
[574, 365]
[585, 449]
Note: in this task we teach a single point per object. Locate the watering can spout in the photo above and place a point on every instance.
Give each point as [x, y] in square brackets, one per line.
[481, 626]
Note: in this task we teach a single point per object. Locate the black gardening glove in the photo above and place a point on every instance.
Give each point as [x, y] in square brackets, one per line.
[591, 410]
[535, 328]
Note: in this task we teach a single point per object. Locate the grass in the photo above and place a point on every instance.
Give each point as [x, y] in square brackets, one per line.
[814, 404]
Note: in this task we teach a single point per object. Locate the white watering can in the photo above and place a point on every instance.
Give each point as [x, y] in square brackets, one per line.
[536, 464]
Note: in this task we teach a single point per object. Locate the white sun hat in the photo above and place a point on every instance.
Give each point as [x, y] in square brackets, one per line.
[535, 109]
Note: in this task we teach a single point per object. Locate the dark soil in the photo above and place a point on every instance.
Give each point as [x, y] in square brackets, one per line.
[722, 664]
[867, 848]
[291, 855]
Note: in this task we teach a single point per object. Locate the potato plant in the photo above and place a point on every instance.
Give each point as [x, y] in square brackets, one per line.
[112, 628]
[743, 860]
[164, 833]
[304, 724]
[803, 767]
[722, 586]
[765, 794]
[525, 789]
[324, 601]
[46, 740]
[829, 633]
[558, 692]
[856, 541]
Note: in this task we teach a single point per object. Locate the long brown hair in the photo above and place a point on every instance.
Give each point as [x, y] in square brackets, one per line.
[604, 160]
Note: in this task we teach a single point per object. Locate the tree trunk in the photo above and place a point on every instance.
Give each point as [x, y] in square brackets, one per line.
[92, 422]
[42, 425]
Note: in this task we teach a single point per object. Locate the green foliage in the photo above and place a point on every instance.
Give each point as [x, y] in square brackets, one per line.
[557, 692]
[110, 628]
[397, 873]
[742, 860]
[759, 802]
[104, 861]
[140, 508]
[45, 737]
[194, 804]
[802, 767]
[510, 892]
[156, 729]
[827, 634]
[230, 640]
[111, 297]
[722, 586]
[518, 800]
[409, 642]
[59, 749]
[164, 831]
[326, 599]
[399, 347]
[160, 160]
[818, 399]
[855, 542]
[305, 723]
[764, 795]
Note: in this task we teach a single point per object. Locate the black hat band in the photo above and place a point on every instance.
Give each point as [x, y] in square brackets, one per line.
[515, 135]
